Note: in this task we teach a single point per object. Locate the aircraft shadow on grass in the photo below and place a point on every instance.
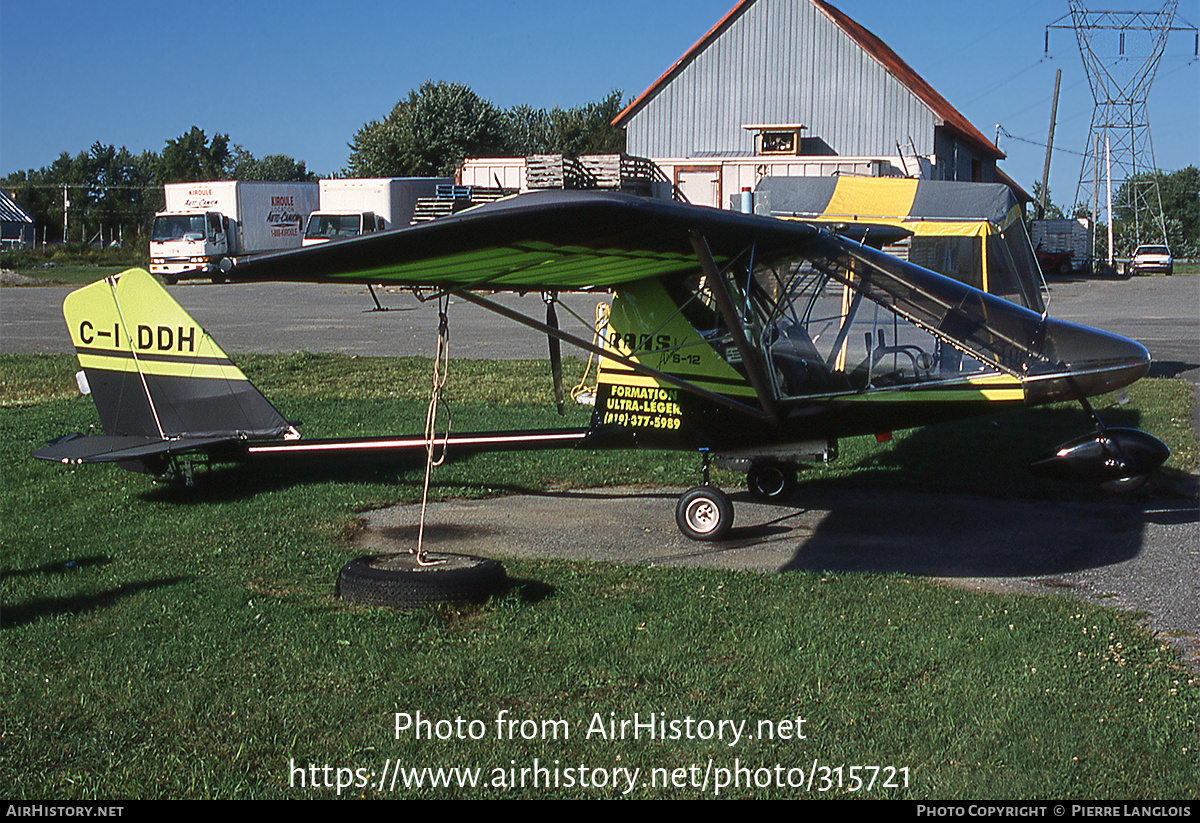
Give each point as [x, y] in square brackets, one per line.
[954, 500]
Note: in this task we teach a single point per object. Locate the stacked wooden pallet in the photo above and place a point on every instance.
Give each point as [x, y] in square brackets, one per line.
[613, 172]
[431, 208]
[553, 171]
[636, 174]
[453, 199]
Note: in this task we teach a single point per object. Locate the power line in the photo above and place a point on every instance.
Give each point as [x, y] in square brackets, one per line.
[1004, 82]
[61, 186]
[1004, 132]
[1043, 101]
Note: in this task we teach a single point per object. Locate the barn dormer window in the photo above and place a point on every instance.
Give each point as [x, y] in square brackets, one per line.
[776, 139]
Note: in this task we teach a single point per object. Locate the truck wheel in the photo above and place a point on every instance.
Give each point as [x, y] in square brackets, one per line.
[170, 281]
[396, 580]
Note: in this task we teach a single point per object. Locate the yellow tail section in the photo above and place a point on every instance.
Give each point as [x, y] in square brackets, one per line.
[153, 371]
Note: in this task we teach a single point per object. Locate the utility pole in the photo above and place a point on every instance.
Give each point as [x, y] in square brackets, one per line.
[1049, 147]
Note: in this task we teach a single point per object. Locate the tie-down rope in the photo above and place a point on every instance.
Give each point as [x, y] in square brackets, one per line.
[441, 368]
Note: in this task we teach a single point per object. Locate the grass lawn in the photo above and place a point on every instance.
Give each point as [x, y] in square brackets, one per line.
[74, 264]
[160, 641]
[72, 274]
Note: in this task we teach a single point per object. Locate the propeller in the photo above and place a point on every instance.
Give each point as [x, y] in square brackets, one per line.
[555, 350]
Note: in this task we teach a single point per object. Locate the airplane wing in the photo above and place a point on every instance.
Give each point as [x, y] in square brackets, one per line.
[541, 241]
[565, 240]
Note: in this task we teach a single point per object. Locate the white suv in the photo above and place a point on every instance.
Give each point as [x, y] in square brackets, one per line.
[1152, 260]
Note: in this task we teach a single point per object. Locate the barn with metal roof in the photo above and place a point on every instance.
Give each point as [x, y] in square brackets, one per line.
[774, 68]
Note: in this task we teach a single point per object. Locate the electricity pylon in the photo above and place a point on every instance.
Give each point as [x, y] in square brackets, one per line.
[1121, 51]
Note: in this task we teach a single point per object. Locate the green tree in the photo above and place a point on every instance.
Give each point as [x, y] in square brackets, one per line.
[114, 193]
[1180, 193]
[109, 190]
[588, 129]
[1053, 212]
[245, 166]
[40, 198]
[431, 130]
[379, 147]
[429, 133]
[528, 131]
[123, 190]
[191, 157]
[585, 129]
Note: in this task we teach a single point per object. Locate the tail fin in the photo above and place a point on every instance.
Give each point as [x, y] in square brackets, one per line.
[153, 372]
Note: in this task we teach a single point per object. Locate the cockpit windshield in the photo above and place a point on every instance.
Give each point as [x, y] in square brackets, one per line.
[842, 321]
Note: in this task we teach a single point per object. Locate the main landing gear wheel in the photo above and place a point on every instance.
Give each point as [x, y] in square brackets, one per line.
[771, 482]
[704, 513]
[397, 580]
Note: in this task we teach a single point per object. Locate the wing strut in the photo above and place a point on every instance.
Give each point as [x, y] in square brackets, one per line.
[729, 314]
[516, 316]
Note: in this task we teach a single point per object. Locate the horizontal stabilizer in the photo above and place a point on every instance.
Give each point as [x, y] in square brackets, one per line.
[74, 449]
[152, 453]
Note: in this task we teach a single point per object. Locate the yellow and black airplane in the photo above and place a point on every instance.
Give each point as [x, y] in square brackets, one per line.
[749, 339]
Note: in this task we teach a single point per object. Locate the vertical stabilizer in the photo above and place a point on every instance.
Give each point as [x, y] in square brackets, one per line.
[152, 370]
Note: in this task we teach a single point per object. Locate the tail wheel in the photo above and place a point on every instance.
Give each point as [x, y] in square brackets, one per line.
[704, 513]
[771, 482]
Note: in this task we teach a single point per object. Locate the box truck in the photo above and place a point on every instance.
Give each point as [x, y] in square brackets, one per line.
[206, 222]
[1062, 245]
[350, 207]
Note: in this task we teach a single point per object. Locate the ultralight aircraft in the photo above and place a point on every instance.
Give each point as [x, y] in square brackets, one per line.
[751, 340]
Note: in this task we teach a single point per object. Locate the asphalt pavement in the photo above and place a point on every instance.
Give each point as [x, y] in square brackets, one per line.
[1141, 553]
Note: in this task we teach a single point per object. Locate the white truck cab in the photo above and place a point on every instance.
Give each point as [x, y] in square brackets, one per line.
[324, 226]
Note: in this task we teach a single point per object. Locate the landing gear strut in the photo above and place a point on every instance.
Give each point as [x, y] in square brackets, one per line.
[704, 512]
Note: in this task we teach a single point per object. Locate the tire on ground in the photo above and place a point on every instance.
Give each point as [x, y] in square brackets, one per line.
[770, 481]
[396, 580]
[704, 513]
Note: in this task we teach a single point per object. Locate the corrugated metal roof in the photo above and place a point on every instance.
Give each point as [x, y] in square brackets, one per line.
[871, 45]
[10, 212]
[913, 81]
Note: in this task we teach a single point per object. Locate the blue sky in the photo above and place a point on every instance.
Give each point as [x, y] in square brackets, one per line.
[299, 78]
